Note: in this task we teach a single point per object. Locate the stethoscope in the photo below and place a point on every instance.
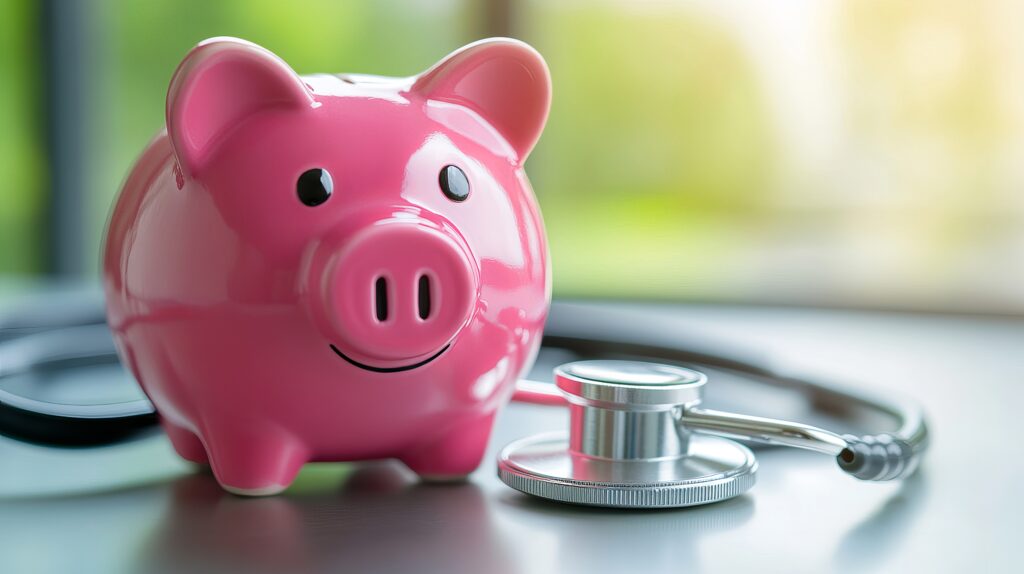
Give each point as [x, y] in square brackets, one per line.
[638, 436]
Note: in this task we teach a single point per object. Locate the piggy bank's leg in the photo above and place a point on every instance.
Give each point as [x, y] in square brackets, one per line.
[252, 462]
[185, 442]
[453, 455]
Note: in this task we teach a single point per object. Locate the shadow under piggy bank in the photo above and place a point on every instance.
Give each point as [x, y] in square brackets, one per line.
[382, 519]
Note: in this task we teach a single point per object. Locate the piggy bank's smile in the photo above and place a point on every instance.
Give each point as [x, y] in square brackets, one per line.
[366, 367]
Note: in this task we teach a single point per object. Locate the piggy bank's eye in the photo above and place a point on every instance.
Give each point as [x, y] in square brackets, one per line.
[454, 183]
[314, 186]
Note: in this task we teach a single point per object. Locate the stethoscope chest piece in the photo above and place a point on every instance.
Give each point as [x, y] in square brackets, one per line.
[625, 447]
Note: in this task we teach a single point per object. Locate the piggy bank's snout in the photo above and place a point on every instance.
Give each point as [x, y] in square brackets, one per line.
[397, 291]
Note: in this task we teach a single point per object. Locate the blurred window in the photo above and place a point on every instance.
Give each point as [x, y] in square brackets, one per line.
[834, 153]
[22, 169]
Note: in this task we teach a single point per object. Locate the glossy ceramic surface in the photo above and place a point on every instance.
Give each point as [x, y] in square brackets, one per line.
[377, 311]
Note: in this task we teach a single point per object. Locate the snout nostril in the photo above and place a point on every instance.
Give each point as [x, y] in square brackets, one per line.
[423, 297]
[380, 298]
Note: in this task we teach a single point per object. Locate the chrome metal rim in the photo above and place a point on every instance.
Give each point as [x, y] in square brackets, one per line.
[714, 469]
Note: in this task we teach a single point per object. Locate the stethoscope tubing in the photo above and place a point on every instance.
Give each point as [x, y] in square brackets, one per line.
[88, 341]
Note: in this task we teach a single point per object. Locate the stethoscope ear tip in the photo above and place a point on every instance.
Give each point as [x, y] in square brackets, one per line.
[878, 457]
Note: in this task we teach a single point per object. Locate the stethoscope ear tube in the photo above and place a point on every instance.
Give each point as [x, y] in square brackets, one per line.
[85, 428]
[59, 424]
[875, 457]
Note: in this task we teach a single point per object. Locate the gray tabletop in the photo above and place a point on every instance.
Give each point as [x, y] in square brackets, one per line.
[138, 508]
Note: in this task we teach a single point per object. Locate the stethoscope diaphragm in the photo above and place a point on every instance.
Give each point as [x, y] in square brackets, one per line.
[713, 469]
[626, 447]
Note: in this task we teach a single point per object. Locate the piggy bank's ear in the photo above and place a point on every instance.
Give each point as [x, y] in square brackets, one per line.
[503, 80]
[220, 83]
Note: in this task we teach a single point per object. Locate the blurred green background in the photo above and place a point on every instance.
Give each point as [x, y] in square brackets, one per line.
[842, 153]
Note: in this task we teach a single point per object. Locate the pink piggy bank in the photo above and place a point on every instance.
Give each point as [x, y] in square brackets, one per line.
[333, 267]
